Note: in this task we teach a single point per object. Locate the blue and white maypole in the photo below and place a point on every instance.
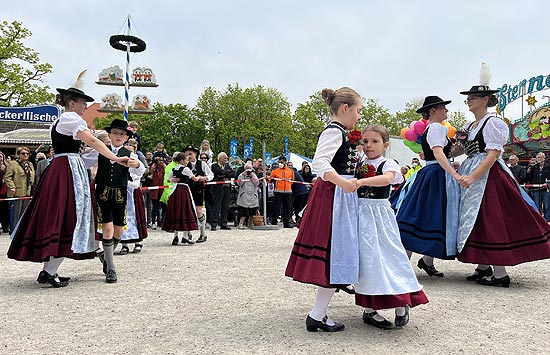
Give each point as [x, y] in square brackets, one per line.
[127, 77]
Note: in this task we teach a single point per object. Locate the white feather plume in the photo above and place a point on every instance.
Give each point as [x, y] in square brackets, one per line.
[484, 74]
[418, 101]
[79, 83]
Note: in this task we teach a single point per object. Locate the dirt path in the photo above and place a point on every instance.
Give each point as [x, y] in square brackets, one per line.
[229, 296]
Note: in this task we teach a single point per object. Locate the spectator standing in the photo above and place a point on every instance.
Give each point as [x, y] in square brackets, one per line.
[539, 173]
[519, 171]
[300, 193]
[41, 166]
[19, 178]
[247, 199]
[4, 205]
[157, 179]
[221, 192]
[282, 195]
[415, 166]
[160, 151]
[206, 149]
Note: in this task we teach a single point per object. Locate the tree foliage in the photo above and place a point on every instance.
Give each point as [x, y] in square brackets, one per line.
[20, 69]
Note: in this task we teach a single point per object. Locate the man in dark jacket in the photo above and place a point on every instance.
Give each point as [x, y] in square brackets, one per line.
[539, 173]
[221, 192]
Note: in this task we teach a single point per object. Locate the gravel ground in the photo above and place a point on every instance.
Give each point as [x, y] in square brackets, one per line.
[229, 296]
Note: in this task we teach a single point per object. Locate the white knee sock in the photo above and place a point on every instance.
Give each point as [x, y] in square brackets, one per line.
[428, 260]
[319, 310]
[400, 311]
[52, 265]
[499, 271]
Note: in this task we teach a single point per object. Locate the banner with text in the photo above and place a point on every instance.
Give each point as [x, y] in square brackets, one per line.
[37, 114]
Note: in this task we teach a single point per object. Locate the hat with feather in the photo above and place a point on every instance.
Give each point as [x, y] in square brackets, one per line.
[483, 87]
[76, 88]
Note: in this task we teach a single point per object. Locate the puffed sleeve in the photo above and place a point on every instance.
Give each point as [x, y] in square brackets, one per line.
[437, 135]
[392, 166]
[70, 123]
[329, 142]
[495, 134]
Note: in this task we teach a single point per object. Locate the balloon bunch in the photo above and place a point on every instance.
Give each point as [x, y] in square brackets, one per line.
[412, 135]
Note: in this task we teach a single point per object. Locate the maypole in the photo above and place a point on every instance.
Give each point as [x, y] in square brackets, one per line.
[127, 78]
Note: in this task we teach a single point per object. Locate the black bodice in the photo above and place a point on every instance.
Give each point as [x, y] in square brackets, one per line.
[428, 152]
[374, 192]
[62, 143]
[344, 159]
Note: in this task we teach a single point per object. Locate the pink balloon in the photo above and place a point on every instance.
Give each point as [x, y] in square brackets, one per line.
[412, 125]
[419, 127]
[410, 135]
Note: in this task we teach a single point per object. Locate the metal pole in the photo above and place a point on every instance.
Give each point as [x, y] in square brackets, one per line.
[264, 190]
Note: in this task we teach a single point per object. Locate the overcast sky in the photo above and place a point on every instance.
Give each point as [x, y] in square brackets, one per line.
[392, 51]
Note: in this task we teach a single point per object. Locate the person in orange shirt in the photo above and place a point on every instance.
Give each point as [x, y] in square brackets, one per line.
[282, 195]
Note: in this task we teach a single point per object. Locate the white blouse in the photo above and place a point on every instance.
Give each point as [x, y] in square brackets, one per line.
[437, 135]
[186, 172]
[70, 123]
[329, 142]
[495, 132]
[390, 165]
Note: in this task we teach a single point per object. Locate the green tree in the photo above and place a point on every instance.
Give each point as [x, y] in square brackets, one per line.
[457, 119]
[20, 69]
[237, 113]
[308, 121]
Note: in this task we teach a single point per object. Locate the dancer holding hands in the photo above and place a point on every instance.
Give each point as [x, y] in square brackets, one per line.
[386, 278]
[325, 252]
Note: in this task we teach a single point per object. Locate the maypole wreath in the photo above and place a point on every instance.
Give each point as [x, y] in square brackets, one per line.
[119, 42]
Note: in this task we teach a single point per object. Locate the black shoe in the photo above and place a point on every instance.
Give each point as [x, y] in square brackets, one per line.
[313, 325]
[187, 240]
[44, 277]
[349, 289]
[493, 281]
[430, 270]
[225, 227]
[401, 321]
[202, 239]
[111, 277]
[213, 228]
[137, 248]
[288, 226]
[124, 250]
[176, 240]
[101, 257]
[479, 274]
[368, 318]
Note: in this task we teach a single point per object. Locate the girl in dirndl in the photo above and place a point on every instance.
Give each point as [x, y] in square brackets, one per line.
[386, 278]
[58, 222]
[427, 212]
[491, 198]
[180, 212]
[325, 252]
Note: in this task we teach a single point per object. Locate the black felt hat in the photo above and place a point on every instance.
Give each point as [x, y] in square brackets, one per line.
[76, 92]
[119, 124]
[190, 147]
[432, 101]
[480, 90]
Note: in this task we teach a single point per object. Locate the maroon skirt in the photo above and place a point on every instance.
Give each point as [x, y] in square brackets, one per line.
[507, 231]
[141, 219]
[391, 301]
[310, 258]
[46, 228]
[180, 213]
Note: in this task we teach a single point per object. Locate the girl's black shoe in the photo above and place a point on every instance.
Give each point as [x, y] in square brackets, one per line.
[44, 277]
[430, 270]
[368, 318]
[401, 321]
[313, 325]
[493, 281]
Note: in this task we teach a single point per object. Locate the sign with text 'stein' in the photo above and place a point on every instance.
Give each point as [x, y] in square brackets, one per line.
[37, 114]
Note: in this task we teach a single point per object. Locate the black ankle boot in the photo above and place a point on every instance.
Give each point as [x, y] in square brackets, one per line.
[313, 325]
